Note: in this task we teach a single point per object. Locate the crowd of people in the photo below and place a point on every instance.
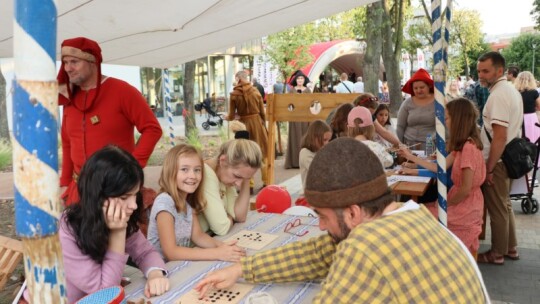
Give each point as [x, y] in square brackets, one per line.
[368, 253]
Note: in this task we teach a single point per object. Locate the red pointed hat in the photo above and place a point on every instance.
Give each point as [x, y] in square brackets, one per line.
[420, 75]
[82, 48]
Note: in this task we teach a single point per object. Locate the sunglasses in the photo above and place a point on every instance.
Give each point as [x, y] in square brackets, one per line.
[296, 223]
[368, 99]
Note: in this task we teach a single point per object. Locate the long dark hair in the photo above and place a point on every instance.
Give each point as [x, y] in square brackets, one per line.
[109, 172]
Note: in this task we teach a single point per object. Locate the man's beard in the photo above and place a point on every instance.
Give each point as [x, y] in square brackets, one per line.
[484, 83]
[343, 229]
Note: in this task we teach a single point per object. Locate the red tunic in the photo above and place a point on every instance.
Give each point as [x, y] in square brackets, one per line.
[110, 120]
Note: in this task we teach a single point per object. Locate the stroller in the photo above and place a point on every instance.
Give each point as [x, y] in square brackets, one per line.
[529, 204]
[214, 119]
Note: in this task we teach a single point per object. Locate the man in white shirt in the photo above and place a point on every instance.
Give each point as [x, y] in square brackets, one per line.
[358, 85]
[344, 86]
[503, 116]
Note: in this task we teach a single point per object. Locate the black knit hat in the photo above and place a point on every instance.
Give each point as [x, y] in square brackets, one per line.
[343, 173]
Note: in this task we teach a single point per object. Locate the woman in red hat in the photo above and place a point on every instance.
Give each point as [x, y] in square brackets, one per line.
[416, 116]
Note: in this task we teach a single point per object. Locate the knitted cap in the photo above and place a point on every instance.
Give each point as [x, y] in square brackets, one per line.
[359, 117]
[420, 75]
[343, 173]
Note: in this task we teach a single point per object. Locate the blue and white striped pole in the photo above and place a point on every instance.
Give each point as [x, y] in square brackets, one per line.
[35, 148]
[440, 59]
[167, 90]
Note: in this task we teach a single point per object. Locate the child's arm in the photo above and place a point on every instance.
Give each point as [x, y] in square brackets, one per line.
[167, 239]
[431, 166]
[466, 186]
[417, 160]
[384, 133]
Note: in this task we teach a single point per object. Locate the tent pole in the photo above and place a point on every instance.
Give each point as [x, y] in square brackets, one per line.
[35, 148]
[167, 90]
[440, 60]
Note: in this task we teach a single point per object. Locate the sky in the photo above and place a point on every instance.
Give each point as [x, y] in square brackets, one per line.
[500, 16]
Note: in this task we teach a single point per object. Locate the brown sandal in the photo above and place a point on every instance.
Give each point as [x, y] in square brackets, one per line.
[490, 257]
[512, 254]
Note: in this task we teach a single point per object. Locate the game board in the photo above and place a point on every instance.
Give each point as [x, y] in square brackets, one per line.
[253, 239]
[231, 295]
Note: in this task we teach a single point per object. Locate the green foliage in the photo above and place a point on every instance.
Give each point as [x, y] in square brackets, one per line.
[465, 34]
[289, 50]
[466, 40]
[535, 12]
[418, 35]
[6, 154]
[520, 53]
[473, 58]
[193, 139]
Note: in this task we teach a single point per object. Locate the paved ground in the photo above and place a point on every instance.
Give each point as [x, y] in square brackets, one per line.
[515, 282]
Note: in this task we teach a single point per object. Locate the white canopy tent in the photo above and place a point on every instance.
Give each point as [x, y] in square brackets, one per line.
[166, 33]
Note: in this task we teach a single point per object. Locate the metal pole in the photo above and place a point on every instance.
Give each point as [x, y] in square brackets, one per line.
[167, 90]
[440, 59]
[35, 148]
[534, 50]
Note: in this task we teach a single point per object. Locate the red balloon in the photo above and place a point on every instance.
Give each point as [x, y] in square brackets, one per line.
[273, 199]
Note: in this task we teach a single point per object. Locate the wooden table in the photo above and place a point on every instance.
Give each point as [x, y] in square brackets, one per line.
[413, 189]
[184, 275]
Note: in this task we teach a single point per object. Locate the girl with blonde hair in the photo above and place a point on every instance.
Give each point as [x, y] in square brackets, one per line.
[226, 185]
[173, 221]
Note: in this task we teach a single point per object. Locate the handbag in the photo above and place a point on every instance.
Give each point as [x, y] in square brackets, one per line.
[518, 156]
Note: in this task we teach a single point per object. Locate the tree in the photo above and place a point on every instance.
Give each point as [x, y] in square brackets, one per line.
[288, 50]
[418, 35]
[520, 53]
[473, 58]
[189, 83]
[535, 12]
[372, 57]
[4, 128]
[465, 34]
[392, 43]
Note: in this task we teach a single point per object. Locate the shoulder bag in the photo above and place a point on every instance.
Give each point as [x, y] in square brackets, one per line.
[518, 156]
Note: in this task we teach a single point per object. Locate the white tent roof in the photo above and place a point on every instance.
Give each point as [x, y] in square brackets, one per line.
[164, 33]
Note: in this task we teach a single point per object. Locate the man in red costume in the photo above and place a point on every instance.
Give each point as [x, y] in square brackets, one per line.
[98, 110]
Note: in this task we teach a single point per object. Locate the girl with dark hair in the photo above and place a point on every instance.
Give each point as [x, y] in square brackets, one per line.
[382, 115]
[465, 199]
[173, 221]
[100, 232]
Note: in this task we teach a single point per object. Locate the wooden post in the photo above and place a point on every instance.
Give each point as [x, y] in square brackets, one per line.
[278, 110]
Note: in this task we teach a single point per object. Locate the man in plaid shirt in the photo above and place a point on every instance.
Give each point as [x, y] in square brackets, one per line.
[376, 250]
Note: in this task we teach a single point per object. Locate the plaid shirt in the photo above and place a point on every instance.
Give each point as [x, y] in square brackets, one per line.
[405, 257]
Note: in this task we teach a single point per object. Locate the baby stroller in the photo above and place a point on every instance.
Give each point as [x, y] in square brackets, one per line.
[529, 204]
[214, 119]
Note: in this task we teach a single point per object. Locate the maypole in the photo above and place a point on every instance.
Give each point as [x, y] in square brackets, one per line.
[35, 148]
[167, 90]
[440, 60]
